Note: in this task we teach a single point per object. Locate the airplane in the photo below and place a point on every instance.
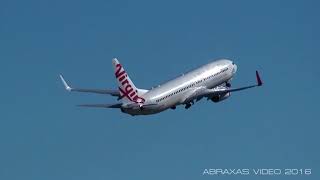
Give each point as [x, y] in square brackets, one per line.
[211, 81]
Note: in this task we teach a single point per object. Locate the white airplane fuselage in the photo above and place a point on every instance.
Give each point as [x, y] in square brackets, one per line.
[173, 92]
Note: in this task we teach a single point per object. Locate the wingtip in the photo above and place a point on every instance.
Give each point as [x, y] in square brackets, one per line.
[259, 81]
[66, 86]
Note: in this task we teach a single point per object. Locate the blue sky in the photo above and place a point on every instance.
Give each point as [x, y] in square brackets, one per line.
[44, 136]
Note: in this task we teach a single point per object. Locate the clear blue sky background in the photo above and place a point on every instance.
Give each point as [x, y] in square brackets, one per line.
[44, 136]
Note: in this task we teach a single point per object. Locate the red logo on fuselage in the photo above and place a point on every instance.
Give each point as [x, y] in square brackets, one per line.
[126, 89]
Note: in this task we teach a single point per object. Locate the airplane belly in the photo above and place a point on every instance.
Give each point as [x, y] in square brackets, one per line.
[144, 110]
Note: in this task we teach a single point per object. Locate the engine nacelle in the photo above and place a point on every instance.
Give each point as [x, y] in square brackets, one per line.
[219, 98]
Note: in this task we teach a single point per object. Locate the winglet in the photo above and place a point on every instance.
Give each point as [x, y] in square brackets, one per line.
[68, 88]
[258, 79]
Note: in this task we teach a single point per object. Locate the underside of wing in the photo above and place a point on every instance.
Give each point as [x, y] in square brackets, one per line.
[101, 105]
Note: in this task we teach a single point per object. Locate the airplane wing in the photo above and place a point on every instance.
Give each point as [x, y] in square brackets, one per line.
[200, 92]
[195, 93]
[227, 90]
[101, 105]
[97, 91]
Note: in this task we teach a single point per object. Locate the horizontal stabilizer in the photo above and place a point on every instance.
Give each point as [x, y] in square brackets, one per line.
[101, 105]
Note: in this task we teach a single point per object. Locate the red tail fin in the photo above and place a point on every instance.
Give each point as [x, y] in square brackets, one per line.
[128, 91]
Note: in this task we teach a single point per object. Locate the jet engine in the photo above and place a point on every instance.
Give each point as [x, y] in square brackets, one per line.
[220, 97]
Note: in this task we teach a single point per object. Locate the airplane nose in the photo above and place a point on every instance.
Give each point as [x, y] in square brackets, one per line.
[234, 70]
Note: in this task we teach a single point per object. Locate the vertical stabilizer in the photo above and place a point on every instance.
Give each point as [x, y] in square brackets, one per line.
[128, 91]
